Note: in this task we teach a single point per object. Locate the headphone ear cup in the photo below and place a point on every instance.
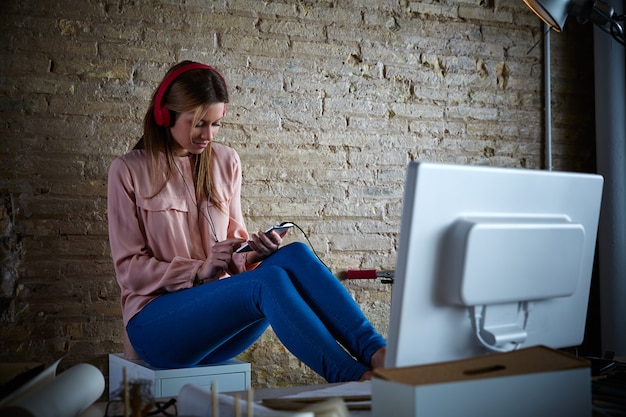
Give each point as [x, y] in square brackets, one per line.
[162, 116]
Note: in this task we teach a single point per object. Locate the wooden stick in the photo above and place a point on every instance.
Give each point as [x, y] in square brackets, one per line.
[250, 403]
[214, 400]
[126, 392]
[237, 405]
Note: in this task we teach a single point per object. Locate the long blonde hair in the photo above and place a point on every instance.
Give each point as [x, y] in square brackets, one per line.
[192, 90]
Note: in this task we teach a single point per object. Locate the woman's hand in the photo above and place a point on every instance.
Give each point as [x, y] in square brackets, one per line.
[264, 244]
[219, 259]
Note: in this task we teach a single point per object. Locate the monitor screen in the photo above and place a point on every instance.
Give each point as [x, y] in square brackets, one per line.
[490, 260]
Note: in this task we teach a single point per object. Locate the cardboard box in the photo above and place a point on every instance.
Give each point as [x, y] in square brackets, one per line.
[536, 381]
[232, 375]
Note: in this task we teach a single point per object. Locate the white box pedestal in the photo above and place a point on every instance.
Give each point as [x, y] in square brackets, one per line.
[232, 375]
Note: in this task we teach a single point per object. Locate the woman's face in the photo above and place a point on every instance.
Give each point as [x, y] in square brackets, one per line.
[191, 139]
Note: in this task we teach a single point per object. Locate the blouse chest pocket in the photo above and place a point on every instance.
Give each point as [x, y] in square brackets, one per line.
[164, 222]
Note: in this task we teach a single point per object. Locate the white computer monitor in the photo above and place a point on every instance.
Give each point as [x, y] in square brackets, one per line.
[491, 259]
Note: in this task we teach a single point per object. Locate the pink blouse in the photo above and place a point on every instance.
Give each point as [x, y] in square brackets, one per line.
[159, 243]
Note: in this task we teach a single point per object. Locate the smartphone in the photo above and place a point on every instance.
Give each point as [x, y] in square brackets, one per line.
[278, 228]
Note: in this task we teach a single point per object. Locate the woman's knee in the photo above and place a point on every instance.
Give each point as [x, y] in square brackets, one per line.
[298, 250]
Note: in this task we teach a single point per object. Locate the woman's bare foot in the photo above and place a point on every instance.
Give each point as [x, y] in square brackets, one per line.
[366, 376]
[378, 358]
[377, 361]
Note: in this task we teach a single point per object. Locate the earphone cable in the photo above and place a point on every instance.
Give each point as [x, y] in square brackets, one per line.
[193, 200]
[309, 243]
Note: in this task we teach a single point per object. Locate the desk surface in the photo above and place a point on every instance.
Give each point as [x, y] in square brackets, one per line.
[98, 409]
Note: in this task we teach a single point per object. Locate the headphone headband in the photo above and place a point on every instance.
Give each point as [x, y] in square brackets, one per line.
[161, 112]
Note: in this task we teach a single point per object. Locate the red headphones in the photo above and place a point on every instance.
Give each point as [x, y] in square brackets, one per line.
[162, 114]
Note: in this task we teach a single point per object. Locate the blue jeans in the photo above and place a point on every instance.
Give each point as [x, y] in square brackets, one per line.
[310, 311]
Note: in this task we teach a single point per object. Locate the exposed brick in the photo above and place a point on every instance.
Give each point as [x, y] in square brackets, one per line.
[329, 102]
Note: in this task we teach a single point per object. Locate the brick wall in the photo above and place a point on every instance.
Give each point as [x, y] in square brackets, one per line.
[329, 101]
